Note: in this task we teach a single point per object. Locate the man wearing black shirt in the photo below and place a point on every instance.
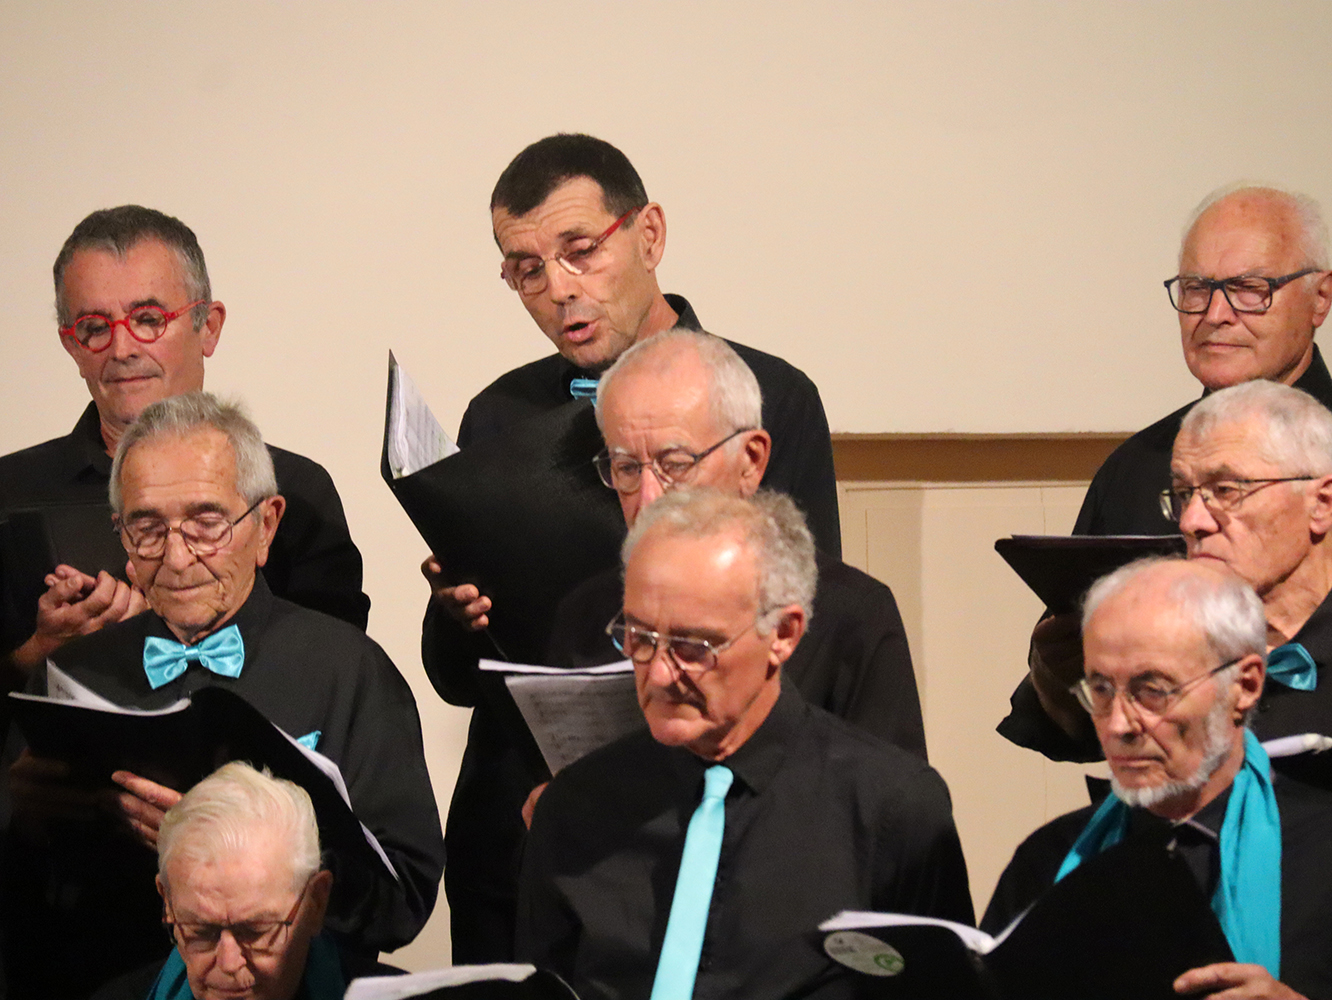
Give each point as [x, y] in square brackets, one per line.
[1174, 654]
[819, 816]
[137, 317]
[197, 503]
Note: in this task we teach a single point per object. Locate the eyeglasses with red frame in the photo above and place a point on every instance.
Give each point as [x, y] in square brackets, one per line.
[94, 332]
[526, 275]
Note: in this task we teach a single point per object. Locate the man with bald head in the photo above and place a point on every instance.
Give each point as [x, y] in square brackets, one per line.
[136, 315]
[679, 409]
[1251, 489]
[1174, 669]
[1253, 287]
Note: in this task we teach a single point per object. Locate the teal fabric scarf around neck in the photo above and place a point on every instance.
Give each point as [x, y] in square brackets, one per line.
[1247, 901]
[322, 980]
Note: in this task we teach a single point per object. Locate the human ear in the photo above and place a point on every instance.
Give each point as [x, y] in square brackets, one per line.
[650, 231]
[785, 635]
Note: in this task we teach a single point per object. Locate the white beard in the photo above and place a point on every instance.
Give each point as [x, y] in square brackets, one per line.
[1215, 751]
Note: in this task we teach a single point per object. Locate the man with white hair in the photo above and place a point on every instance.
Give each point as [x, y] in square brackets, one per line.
[243, 896]
[1174, 666]
[800, 816]
[196, 506]
[1251, 487]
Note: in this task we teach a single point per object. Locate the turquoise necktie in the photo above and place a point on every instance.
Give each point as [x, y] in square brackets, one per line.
[680, 951]
[1292, 666]
[165, 659]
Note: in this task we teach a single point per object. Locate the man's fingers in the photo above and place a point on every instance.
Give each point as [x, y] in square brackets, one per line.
[1233, 981]
[137, 603]
[149, 791]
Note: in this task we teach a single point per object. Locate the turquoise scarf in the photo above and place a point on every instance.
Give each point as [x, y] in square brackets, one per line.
[322, 980]
[1247, 901]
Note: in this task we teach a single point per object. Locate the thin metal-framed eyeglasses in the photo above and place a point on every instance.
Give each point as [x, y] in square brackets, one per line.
[526, 275]
[671, 467]
[94, 332]
[257, 937]
[688, 654]
[1222, 496]
[1145, 692]
[1245, 293]
[203, 534]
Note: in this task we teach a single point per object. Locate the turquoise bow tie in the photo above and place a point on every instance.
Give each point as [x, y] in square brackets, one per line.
[1292, 666]
[583, 388]
[165, 659]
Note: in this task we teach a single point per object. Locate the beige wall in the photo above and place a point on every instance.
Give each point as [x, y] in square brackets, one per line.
[955, 216]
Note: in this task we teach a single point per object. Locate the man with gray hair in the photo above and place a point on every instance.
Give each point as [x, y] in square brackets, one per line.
[800, 815]
[197, 509]
[243, 896]
[136, 314]
[1251, 488]
[1174, 666]
[681, 408]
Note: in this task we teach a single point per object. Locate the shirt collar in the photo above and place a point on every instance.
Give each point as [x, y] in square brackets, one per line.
[1315, 634]
[760, 757]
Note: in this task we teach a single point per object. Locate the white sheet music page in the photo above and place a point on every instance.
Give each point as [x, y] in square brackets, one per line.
[415, 437]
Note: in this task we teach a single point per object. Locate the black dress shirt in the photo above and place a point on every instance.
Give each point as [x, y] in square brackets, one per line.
[852, 661]
[821, 817]
[1306, 859]
[91, 910]
[312, 560]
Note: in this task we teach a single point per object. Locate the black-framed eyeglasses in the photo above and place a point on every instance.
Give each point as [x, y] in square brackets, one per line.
[94, 332]
[1245, 293]
[256, 937]
[203, 534]
[526, 275]
[688, 654]
[624, 474]
[1220, 497]
[1146, 692]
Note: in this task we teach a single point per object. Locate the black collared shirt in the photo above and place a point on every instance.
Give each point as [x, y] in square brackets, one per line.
[312, 560]
[821, 817]
[304, 671]
[1306, 859]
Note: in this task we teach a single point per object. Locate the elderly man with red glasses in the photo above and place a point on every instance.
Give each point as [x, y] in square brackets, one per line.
[691, 858]
[1174, 670]
[580, 245]
[137, 316]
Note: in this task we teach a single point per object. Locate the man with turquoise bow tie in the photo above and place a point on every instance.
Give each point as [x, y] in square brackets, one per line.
[1251, 489]
[195, 501]
[1174, 668]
